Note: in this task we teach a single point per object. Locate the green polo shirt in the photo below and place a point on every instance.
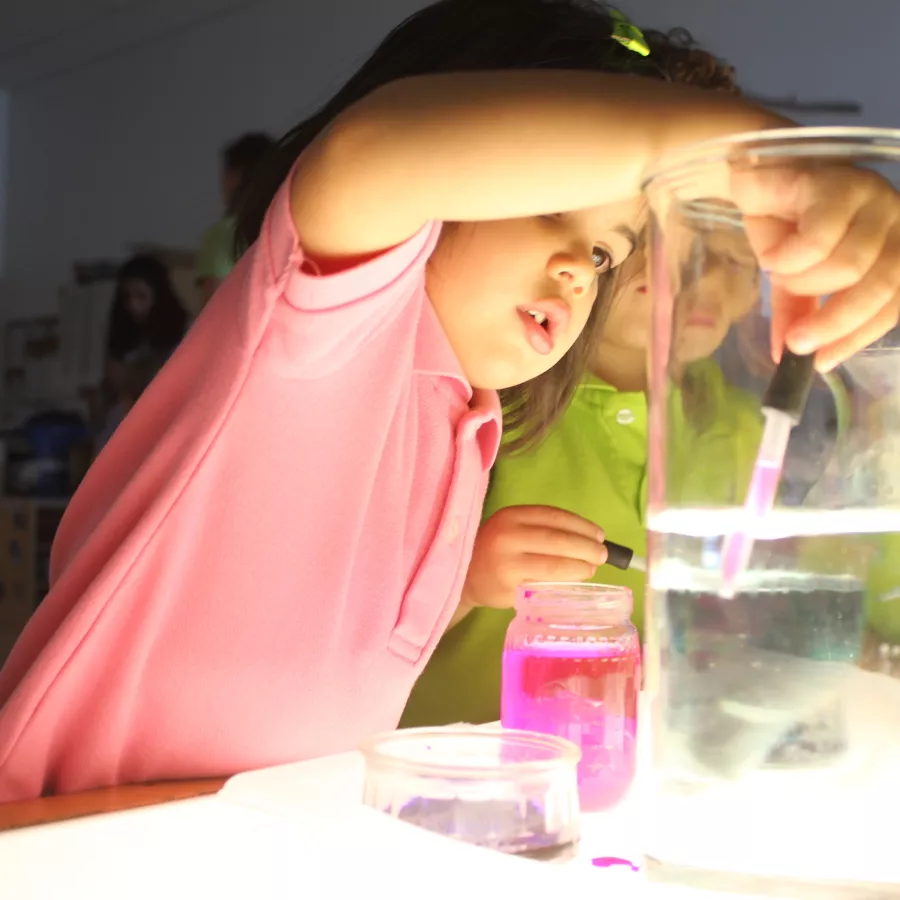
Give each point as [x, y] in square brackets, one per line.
[593, 463]
[883, 596]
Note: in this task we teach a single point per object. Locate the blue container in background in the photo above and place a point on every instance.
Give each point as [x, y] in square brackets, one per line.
[50, 438]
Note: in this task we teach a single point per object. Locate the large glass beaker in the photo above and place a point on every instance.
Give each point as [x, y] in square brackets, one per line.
[774, 755]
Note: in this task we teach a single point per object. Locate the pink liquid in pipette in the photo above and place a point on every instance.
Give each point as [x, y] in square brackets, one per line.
[782, 408]
[738, 546]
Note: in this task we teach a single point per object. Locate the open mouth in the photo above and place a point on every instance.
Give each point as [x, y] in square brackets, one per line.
[537, 330]
[540, 318]
[544, 320]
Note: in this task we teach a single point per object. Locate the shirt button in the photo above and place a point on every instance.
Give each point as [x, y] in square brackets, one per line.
[453, 530]
[624, 416]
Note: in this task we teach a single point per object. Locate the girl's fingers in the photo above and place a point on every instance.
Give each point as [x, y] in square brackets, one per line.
[856, 254]
[553, 542]
[556, 518]
[537, 567]
[829, 230]
[850, 311]
[798, 220]
[817, 205]
[879, 325]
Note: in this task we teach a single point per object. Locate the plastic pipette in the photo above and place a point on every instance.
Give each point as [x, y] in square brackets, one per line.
[782, 407]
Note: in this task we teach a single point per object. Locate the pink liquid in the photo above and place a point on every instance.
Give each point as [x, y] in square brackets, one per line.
[588, 694]
[738, 547]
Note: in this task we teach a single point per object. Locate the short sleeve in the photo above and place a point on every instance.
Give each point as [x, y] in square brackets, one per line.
[319, 322]
[389, 273]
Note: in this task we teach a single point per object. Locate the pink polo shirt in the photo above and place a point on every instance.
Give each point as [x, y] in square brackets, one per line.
[261, 561]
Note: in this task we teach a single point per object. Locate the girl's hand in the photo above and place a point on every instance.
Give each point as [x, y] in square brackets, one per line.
[521, 544]
[825, 231]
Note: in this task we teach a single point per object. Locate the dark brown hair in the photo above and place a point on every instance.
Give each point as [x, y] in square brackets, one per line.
[167, 321]
[496, 35]
[243, 156]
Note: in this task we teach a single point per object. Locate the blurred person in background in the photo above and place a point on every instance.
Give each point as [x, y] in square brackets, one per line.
[217, 248]
[146, 323]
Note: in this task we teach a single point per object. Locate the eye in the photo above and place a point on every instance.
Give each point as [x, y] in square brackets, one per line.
[601, 258]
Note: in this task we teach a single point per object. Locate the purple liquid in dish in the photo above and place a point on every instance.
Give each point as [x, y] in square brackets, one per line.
[587, 693]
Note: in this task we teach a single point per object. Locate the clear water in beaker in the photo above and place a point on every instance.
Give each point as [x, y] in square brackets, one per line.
[772, 752]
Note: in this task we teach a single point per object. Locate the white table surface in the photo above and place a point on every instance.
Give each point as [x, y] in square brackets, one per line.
[228, 846]
[292, 831]
[301, 831]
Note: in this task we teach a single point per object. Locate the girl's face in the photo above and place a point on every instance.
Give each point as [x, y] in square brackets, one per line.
[512, 296]
[627, 323]
[706, 307]
[138, 297]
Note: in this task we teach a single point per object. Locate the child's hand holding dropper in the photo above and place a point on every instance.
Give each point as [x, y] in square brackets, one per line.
[833, 232]
[525, 545]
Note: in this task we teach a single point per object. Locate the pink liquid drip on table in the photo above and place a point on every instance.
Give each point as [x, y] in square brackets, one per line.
[587, 694]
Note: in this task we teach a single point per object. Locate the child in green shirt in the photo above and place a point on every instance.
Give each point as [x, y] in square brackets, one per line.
[218, 255]
[591, 468]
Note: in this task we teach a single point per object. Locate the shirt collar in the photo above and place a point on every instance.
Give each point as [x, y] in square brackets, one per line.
[597, 392]
[487, 417]
[434, 356]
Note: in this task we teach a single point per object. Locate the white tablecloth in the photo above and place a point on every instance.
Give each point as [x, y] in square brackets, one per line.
[301, 831]
[228, 846]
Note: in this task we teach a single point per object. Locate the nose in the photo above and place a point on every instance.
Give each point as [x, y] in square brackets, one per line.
[575, 272]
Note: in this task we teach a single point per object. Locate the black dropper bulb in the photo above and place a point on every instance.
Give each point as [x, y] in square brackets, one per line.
[618, 555]
[790, 385]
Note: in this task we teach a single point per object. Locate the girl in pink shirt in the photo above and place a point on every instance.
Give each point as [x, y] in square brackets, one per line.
[259, 564]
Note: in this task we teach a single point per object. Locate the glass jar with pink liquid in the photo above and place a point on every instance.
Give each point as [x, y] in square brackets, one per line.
[571, 667]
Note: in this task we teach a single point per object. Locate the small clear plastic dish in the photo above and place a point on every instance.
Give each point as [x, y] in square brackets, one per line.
[512, 791]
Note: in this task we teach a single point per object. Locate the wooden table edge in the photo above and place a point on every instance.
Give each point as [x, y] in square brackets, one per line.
[26, 813]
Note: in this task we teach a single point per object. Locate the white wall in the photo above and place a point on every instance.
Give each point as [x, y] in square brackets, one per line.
[817, 49]
[125, 149]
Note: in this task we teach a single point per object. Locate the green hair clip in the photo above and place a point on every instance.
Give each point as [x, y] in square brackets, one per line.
[627, 34]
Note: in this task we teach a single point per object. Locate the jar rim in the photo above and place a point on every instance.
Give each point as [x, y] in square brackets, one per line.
[420, 751]
[575, 597]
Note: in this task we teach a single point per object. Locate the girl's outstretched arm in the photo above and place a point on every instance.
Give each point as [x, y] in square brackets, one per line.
[494, 145]
[503, 145]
